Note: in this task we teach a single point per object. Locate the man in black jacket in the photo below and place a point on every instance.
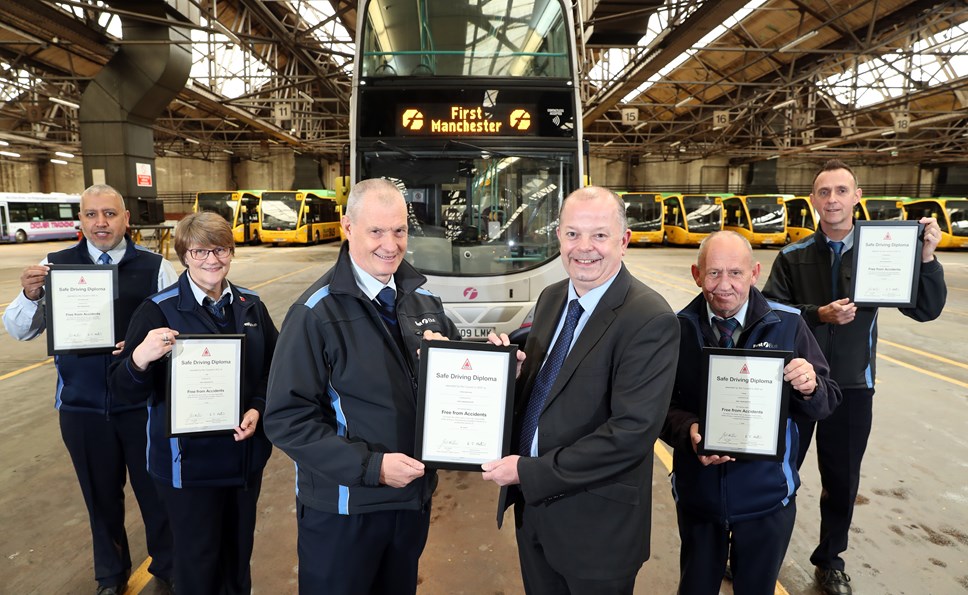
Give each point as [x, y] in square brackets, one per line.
[342, 404]
[814, 276]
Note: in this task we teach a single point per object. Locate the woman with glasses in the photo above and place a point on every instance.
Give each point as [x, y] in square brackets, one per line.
[209, 484]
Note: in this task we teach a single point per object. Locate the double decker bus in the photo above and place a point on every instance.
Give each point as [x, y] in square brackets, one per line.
[760, 218]
[952, 216]
[880, 208]
[239, 207]
[299, 216]
[473, 110]
[26, 217]
[801, 219]
[688, 218]
[644, 212]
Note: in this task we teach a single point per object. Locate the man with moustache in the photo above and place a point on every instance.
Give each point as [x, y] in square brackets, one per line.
[103, 435]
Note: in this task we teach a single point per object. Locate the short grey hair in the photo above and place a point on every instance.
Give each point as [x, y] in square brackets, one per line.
[103, 190]
[703, 247]
[379, 189]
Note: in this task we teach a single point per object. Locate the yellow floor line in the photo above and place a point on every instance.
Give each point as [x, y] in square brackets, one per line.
[139, 578]
[49, 360]
[925, 372]
[665, 455]
[273, 280]
[925, 354]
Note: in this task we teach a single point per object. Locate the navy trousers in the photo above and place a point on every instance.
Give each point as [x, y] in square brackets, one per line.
[841, 443]
[102, 448]
[214, 531]
[755, 550]
[356, 554]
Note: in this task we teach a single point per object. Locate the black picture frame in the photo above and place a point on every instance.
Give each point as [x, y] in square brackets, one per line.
[53, 296]
[186, 341]
[454, 417]
[874, 257]
[738, 362]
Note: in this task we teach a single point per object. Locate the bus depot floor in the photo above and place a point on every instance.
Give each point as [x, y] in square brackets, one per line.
[910, 531]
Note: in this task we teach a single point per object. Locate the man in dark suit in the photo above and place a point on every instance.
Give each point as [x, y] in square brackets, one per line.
[591, 399]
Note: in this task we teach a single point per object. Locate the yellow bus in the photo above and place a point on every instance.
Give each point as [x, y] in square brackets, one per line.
[952, 216]
[688, 218]
[801, 219]
[760, 218]
[299, 216]
[880, 208]
[239, 207]
[644, 212]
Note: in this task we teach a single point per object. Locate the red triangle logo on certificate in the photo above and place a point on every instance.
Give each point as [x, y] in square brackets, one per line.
[887, 236]
[745, 369]
[82, 281]
[206, 352]
[467, 365]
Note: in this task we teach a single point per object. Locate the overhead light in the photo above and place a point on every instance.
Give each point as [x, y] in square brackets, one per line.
[640, 125]
[64, 154]
[192, 140]
[231, 123]
[58, 161]
[227, 151]
[787, 103]
[9, 154]
[305, 95]
[4, 143]
[609, 142]
[883, 149]
[226, 32]
[772, 157]
[647, 155]
[720, 127]
[676, 144]
[685, 101]
[798, 41]
[65, 102]
[818, 147]
[888, 132]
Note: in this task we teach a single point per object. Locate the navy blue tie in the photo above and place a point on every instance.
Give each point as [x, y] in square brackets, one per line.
[217, 309]
[546, 378]
[726, 329]
[837, 248]
[386, 305]
[104, 258]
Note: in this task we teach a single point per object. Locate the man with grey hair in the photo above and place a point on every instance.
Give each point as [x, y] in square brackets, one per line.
[102, 435]
[342, 404]
[743, 509]
[591, 399]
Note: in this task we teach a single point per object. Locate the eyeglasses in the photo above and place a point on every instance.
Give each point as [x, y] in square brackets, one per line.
[202, 253]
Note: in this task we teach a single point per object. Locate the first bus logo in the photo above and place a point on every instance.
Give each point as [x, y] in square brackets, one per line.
[412, 119]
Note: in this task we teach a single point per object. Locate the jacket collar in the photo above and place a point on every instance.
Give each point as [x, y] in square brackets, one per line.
[758, 311]
[407, 278]
[129, 251]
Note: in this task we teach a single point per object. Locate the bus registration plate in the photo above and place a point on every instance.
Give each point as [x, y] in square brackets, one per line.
[475, 332]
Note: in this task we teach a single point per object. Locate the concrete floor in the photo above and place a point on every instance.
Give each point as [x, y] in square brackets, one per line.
[910, 530]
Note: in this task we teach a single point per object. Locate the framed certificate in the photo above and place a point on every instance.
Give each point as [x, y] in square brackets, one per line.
[464, 403]
[79, 308]
[887, 262]
[744, 414]
[205, 385]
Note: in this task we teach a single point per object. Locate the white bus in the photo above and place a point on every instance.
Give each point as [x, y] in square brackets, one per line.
[31, 216]
[473, 110]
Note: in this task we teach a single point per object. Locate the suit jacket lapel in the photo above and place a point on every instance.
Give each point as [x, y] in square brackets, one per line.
[550, 308]
[594, 329]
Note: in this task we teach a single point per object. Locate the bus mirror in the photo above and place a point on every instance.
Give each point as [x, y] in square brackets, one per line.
[736, 213]
[803, 212]
[342, 190]
[675, 210]
[243, 209]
